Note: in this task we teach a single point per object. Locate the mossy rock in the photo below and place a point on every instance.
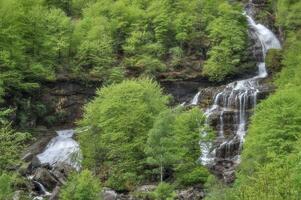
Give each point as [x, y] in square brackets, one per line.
[273, 60]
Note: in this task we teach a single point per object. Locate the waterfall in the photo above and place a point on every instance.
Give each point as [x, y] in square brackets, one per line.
[62, 148]
[195, 99]
[238, 98]
[42, 189]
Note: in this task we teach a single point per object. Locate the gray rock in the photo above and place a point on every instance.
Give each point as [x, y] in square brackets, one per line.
[190, 194]
[146, 188]
[44, 177]
[63, 168]
[109, 194]
[55, 193]
[17, 195]
[24, 169]
[35, 163]
[27, 157]
[126, 197]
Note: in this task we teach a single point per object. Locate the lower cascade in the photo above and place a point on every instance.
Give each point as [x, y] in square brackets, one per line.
[231, 109]
[61, 156]
[62, 148]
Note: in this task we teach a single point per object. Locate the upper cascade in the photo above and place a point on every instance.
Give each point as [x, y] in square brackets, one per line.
[238, 97]
[62, 149]
[266, 37]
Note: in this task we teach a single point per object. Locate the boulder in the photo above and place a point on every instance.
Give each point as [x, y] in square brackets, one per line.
[25, 169]
[108, 194]
[43, 176]
[126, 197]
[35, 163]
[27, 157]
[17, 195]
[192, 193]
[61, 172]
[55, 193]
[63, 168]
[146, 188]
[224, 170]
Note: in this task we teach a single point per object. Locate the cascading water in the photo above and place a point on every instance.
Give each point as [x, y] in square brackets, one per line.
[42, 190]
[195, 99]
[62, 149]
[237, 98]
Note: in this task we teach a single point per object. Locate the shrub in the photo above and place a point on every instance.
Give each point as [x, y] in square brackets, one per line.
[164, 191]
[273, 60]
[6, 191]
[81, 186]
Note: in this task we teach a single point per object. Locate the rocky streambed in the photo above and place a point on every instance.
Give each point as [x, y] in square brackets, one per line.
[49, 161]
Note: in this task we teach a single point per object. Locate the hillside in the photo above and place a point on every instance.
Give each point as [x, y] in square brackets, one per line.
[150, 99]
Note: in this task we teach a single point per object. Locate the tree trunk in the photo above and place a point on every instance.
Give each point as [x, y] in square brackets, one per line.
[161, 173]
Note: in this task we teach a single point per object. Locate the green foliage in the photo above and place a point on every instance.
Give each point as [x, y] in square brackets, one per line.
[188, 127]
[173, 143]
[276, 180]
[79, 5]
[281, 129]
[291, 72]
[70, 7]
[119, 119]
[83, 186]
[161, 147]
[4, 113]
[6, 190]
[132, 133]
[106, 40]
[273, 60]
[94, 47]
[142, 36]
[228, 36]
[34, 42]
[164, 191]
[270, 166]
[289, 14]
[11, 145]
[218, 190]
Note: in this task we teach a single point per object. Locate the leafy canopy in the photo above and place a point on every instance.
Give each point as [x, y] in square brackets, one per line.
[119, 119]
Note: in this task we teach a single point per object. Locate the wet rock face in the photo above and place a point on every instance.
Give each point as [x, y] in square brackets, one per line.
[47, 180]
[43, 176]
[183, 90]
[231, 110]
[43, 179]
[65, 100]
[228, 150]
[225, 170]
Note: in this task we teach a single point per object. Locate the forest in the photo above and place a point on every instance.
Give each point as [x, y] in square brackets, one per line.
[150, 99]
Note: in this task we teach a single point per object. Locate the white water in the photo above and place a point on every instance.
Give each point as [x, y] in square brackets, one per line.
[240, 96]
[195, 99]
[43, 190]
[266, 37]
[62, 149]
